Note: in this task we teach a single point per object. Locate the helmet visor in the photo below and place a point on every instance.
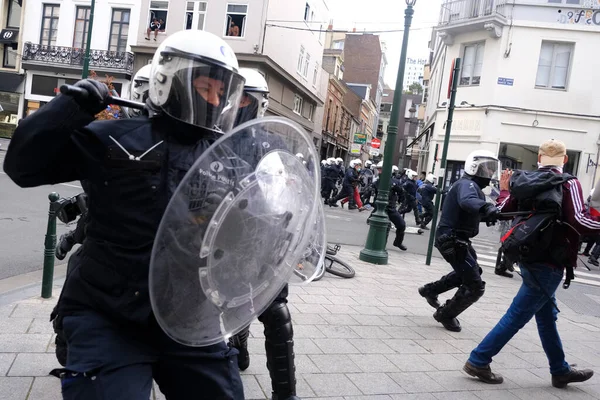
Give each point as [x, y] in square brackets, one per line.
[197, 92]
[487, 167]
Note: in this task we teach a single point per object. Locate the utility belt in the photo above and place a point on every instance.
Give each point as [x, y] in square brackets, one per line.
[453, 247]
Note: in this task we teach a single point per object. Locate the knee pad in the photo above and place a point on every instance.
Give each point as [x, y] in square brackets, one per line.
[475, 291]
[278, 322]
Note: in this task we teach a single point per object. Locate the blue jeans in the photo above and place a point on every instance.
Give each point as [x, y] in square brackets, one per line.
[535, 298]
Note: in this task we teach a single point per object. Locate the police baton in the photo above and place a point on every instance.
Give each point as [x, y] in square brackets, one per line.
[516, 214]
[78, 92]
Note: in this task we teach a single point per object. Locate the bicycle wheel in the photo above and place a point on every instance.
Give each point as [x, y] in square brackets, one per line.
[337, 267]
[320, 274]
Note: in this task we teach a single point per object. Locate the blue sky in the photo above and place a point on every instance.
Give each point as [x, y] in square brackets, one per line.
[388, 15]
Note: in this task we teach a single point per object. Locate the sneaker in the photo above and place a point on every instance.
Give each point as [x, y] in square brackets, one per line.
[573, 376]
[485, 374]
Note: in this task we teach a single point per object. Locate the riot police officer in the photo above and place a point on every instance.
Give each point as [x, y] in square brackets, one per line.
[391, 210]
[428, 192]
[132, 168]
[140, 88]
[279, 334]
[330, 177]
[464, 208]
[410, 195]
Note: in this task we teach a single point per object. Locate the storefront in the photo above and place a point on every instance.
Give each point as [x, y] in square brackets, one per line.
[11, 89]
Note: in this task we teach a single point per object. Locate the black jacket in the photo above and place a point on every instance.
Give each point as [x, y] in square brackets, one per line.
[462, 209]
[394, 195]
[428, 192]
[62, 143]
[352, 178]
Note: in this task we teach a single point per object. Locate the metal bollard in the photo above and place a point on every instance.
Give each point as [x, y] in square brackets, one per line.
[49, 247]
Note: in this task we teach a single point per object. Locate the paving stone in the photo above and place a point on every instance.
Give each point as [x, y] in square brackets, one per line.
[336, 346]
[340, 309]
[398, 321]
[371, 346]
[7, 310]
[394, 311]
[405, 346]
[373, 320]
[302, 388]
[339, 319]
[308, 319]
[373, 363]
[445, 362]
[321, 291]
[252, 389]
[571, 392]
[306, 346]
[464, 346]
[533, 394]
[33, 364]
[310, 308]
[368, 310]
[41, 325]
[456, 396]
[370, 332]
[6, 360]
[369, 397]
[331, 385]
[375, 383]
[338, 363]
[512, 360]
[304, 365]
[257, 345]
[413, 396]
[433, 333]
[26, 310]
[436, 346]
[416, 382]
[410, 362]
[14, 388]
[258, 363]
[307, 331]
[349, 301]
[496, 395]
[14, 325]
[364, 301]
[458, 380]
[404, 332]
[314, 299]
[45, 388]
[31, 343]
[337, 332]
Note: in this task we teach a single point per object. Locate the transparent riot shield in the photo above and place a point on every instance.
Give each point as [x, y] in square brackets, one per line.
[313, 256]
[234, 231]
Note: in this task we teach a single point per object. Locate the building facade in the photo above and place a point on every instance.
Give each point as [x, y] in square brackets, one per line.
[287, 53]
[55, 37]
[413, 71]
[527, 75]
[11, 80]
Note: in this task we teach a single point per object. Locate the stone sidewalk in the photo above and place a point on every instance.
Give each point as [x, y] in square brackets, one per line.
[371, 337]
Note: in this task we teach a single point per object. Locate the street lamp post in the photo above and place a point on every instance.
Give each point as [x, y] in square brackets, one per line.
[374, 251]
[86, 58]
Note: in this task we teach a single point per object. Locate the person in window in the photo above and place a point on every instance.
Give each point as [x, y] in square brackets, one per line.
[154, 27]
[161, 25]
[234, 30]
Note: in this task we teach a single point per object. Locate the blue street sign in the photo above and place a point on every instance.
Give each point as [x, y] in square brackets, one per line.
[506, 81]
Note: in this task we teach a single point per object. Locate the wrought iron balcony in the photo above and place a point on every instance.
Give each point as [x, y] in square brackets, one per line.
[102, 60]
[459, 16]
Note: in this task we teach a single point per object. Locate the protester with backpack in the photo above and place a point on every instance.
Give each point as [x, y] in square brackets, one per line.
[544, 242]
[464, 209]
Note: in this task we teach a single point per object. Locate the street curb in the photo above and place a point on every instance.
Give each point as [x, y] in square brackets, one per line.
[20, 287]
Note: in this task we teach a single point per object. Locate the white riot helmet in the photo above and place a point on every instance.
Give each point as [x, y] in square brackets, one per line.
[368, 163]
[394, 169]
[194, 79]
[430, 178]
[323, 163]
[379, 165]
[339, 161]
[300, 156]
[256, 87]
[139, 89]
[483, 164]
[355, 162]
[331, 161]
[411, 174]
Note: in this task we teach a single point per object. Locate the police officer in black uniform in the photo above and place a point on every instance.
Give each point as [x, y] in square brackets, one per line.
[391, 207]
[132, 168]
[464, 208]
[428, 192]
[279, 333]
[330, 177]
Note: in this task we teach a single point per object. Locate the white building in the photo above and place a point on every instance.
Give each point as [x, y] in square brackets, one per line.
[530, 73]
[54, 38]
[281, 39]
[413, 71]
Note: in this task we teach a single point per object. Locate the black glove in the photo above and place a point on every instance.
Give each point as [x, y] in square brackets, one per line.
[95, 98]
[490, 214]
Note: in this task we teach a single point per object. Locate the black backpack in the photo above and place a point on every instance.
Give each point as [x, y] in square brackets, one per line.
[540, 235]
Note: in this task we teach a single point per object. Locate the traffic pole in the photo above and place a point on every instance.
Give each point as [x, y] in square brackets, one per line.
[86, 59]
[442, 174]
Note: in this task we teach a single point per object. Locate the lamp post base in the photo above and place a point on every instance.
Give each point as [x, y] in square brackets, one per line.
[374, 251]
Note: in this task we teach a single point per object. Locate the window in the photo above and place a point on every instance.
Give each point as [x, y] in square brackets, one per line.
[236, 20]
[119, 30]
[10, 57]
[311, 112]
[158, 11]
[82, 24]
[298, 101]
[195, 15]
[300, 60]
[315, 73]
[472, 64]
[553, 65]
[563, 1]
[49, 24]
[307, 12]
[13, 19]
[306, 63]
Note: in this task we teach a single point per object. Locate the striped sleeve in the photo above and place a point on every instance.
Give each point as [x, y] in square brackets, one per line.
[505, 203]
[574, 210]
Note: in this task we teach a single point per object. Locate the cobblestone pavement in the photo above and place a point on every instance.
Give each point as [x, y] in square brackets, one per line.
[371, 337]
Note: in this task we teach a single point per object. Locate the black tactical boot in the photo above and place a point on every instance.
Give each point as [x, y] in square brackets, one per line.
[573, 376]
[503, 272]
[398, 241]
[429, 294]
[485, 374]
[463, 299]
[279, 345]
[594, 261]
[240, 342]
[450, 323]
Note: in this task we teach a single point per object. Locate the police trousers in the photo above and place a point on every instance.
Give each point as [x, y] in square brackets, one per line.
[107, 362]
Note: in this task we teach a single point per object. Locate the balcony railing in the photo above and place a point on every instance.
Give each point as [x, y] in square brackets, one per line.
[455, 11]
[71, 56]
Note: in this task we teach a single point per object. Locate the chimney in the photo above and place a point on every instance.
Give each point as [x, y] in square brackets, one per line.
[330, 26]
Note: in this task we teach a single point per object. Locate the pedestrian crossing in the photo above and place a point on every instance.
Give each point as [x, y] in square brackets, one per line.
[487, 253]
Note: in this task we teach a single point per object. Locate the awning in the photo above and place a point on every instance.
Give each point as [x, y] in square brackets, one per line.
[9, 81]
[415, 140]
[9, 36]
